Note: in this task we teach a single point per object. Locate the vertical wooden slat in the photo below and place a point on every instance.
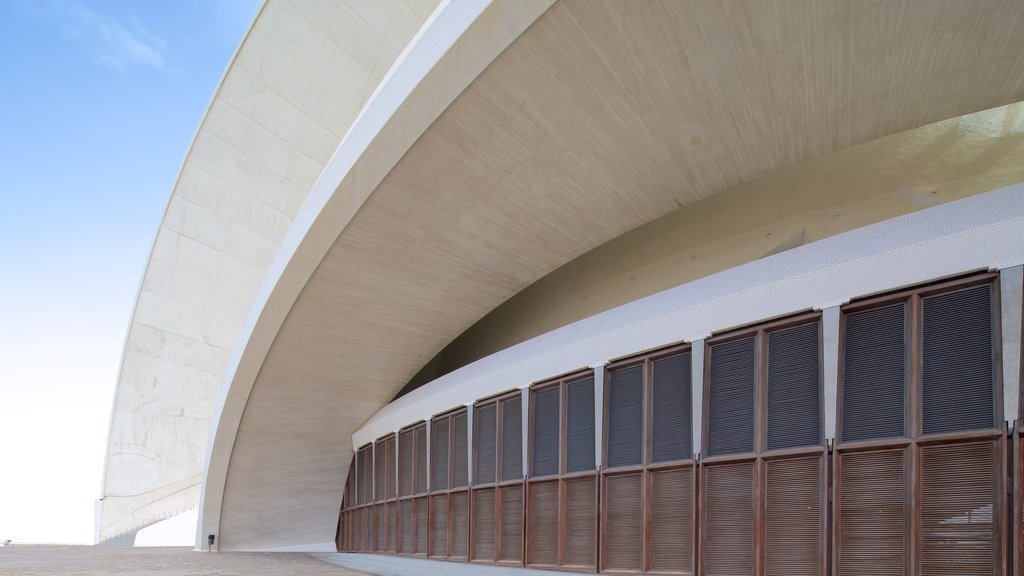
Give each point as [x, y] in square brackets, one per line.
[958, 497]
[460, 524]
[511, 531]
[543, 516]
[793, 540]
[731, 393]
[728, 519]
[672, 520]
[483, 524]
[581, 522]
[871, 513]
[623, 522]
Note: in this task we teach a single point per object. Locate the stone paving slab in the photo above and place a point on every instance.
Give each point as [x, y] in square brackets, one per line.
[97, 561]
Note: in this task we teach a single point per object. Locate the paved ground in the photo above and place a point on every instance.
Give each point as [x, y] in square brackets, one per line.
[92, 561]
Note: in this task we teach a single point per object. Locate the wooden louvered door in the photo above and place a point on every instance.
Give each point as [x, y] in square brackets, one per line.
[795, 516]
[871, 513]
[671, 512]
[510, 534]
[622, 547]
[729, 519]
[483, 525]
[438, 526]
[497, 527]
[542, 515]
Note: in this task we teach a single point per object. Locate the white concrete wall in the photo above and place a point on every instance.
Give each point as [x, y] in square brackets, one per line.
[299, 79]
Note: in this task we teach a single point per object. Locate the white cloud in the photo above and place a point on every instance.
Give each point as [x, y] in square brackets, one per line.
[113, 43]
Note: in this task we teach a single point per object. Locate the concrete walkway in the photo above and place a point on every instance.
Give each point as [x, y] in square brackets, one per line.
[95, 561]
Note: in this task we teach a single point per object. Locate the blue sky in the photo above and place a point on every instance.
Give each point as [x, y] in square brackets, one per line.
[99, 103]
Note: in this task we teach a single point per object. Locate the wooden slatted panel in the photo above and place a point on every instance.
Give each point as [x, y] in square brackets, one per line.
[392, 482]
[420, 473]
[420, 532]
[546, 426]
[623, 522]
[380, 475]
[439, 525]
[512, 439]
[485, 443]
[958, 368]
[581, 522]
[365, 477]
[460, 454]
[543, 516]
[460, 525]
[794, 387]
[731, 397]
[871, 514]
[407, 523]
[439, 455]
[382, 525]
[672, 520]
[405, 445]
[579, 433]
[511, 523]
[626, 416]
[958, 496]
[483, 524]
[392, 543]
[729, 519]
[793, 540]
[365, 530]
[671, 428]
[874, 373]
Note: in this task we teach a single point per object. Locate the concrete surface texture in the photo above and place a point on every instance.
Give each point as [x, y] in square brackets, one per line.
[89, 561]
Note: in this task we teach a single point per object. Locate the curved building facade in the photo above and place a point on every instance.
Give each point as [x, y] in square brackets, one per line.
[668, 287]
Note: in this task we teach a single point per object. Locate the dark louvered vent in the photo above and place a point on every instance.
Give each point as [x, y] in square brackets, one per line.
[511, 523]
[874, 373]
[793, 540]
[391, 480]
[382, 524]
[421, 460]
[579, 434]
[366, 475]
[672, 520]
[460, 524]
[626, 416]
[392, 526]
[407, 523]
[958, 495]
[581, 522]
[624, 529]
[405, 459]
[485, 443]
[794, 387]
[380, 461]
[871, 514]
[543, 546]
[731, 397]
[483, 524]
[460, 455]
[958, 376]
[420, 534]
[671, 429]
[439, 525]
[730, 519]
[546, 426]
[439, 455]
[511, 439]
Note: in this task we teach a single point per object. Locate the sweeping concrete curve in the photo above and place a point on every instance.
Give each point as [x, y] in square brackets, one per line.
[467, 180]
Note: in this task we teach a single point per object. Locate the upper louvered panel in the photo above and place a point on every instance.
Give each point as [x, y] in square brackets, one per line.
[579, 433]
[546, 426]
[460, 524]
[382, 524]
[460, 453]
[729, 519]
[871, 514]
[625, 416]
[874, 373]
[512, 439]
[623, 522]
[421, 460]
[485, 443]
[439, 525]
[793, 539]
[367, 475]
[958, 496]
[958, 369]
[380, 472]
[483, 524]
[420, 533]
[581, 522]
[391, 474]
[511, 530]
[406, 525]
[731, 397]
[672, 520]
[672, 413]
[543, 515]
[794, 387]
[439, 455]
[392, 532]
[405, 462]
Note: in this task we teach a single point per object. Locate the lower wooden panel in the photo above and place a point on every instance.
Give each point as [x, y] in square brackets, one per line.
[729, 519]
[439, 526]
[392, 543]
[622, 547]
[671, 537]
[406, 523]
[483, 524]
[542, 548]
[381, 522]
[793, 522]
[420, 532]
[581, 523]
[511, 531]
[459, 503]
[871, 513]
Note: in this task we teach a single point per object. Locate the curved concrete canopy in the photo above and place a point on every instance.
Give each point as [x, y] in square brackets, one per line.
[597, 119]
[298, 80]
